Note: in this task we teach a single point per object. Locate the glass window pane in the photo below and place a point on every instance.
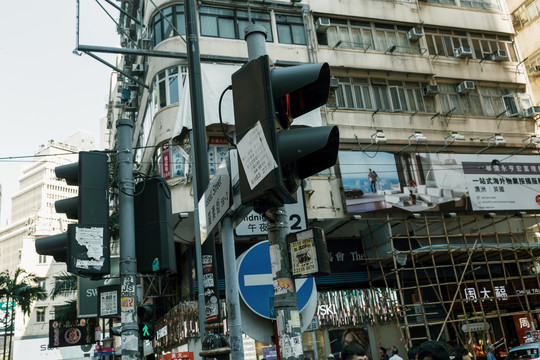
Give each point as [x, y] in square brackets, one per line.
[209, 26]
[344, 37]
[157, 31]
[358, 97]
[162, 94]
[476, 106]
[445, 105]
[340, 99]
[299, 36]
[284, 34]
[367, 96]
[226, 28]
[173, 89]
[440, 47]
[332, 35]
[348, 96]
[180, 23]
[267, 25]
[167, 23]
[381, 41]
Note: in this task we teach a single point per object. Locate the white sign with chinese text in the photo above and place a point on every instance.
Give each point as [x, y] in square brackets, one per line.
[255, 224]
[504, 185]
[216, 201]
[255, 155]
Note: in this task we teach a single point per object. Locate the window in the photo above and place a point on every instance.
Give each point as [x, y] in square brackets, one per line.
[168, 85]
[526, 13]
[290, 29]
[171, 23]
[453, 102]
[41, 283]
[443, 42]
[365, 35]
[230, 23]
[42, 259]
[40, 314]
[372, 94]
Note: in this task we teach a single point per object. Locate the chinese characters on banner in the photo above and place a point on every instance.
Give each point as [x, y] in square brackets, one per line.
[498, 292]
[503, 186]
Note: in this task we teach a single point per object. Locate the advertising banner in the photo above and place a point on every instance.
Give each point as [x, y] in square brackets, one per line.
[418, 182]
[80, 332]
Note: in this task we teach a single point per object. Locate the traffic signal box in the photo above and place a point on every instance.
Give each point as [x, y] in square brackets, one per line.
[154, 241]
[275, 97]
[145, 316]
[85, 246]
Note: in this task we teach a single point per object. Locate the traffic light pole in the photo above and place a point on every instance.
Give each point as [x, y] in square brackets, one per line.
[128, 260]
[289, 333]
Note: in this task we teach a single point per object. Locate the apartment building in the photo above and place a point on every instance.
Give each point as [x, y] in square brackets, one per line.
[432, 96]
[525, 17]
[33, 216]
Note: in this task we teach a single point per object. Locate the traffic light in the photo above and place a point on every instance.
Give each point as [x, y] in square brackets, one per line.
[275, 97]
[154, 243]
[85, 246]
[145, 315]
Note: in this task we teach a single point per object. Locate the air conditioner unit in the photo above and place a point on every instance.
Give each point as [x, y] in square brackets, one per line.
[532, 111]
[117, 104]
[463, 52]
[334, 83]
[415, 33]
[430, 90]
[322, 24]
[499, 55]
[465, 87]
[137, 69]
[534, 69]
[499, 140]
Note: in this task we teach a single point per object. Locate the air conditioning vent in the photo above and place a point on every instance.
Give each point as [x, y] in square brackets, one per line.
[465, 87]
[532, 111]
[499, 55]
[463, 52]
[431, 90]
[322, 24]
[415, 34]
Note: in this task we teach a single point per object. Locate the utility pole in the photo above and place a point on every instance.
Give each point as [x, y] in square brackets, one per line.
[128, 260]
[210, 317]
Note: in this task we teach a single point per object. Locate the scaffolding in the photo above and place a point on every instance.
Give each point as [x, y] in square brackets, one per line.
[460, 278]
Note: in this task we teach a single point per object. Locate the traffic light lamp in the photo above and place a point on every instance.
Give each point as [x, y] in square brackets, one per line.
[275, 97]
[85, 246]
[145, 315]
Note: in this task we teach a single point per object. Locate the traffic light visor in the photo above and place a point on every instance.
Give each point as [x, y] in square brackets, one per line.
[300, 89]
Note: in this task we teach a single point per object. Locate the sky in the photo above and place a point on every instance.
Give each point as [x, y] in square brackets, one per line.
[47, 92]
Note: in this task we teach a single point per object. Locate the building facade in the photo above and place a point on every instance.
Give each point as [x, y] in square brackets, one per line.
[525, 17]
[432, 96]
[33, 216]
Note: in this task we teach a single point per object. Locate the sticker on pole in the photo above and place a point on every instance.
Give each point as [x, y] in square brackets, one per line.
[255, 155]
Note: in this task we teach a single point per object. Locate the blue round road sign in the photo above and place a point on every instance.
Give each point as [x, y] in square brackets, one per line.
[255, 282]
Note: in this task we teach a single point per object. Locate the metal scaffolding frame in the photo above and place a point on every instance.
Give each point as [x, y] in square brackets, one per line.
[457, 273]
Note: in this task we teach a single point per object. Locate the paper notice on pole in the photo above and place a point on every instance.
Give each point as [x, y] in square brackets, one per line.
[255, 155]
[92, 239]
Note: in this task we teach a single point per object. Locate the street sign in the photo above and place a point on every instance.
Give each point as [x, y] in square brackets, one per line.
[216, 201]
[474, 327]
[255, 224]
[256, 286]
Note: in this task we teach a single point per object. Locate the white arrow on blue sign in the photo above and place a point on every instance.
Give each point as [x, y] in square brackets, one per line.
[255, 282]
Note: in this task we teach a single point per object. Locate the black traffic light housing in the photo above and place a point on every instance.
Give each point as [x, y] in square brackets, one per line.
[154, 243]
[85, 246]
[145, 316]
[275, 97]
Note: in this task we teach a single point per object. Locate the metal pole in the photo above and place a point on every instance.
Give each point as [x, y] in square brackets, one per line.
[289, 332]
[200, 164]
[198, 250]
[231, 289]
[128, 260]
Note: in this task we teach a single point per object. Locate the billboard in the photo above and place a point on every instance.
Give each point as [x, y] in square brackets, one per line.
[418, 182]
